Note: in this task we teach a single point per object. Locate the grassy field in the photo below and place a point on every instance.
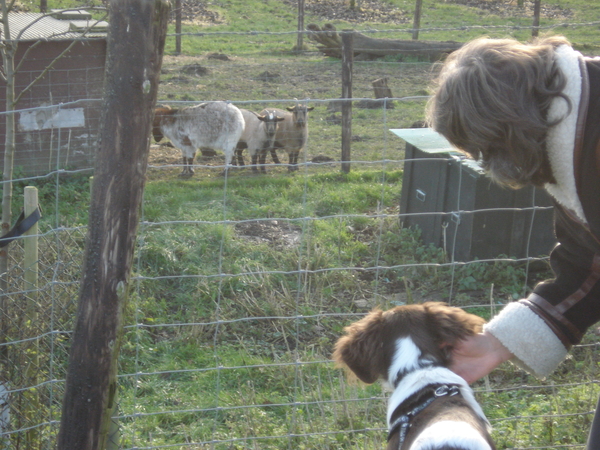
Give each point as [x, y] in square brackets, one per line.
[242, 285]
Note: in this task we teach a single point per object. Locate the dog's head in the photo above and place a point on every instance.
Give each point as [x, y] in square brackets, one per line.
[408, 337]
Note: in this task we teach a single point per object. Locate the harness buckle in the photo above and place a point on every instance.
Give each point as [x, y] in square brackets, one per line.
[441, 391]
[403, 422]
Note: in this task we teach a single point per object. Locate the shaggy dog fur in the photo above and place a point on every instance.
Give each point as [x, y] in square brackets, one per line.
[408, 348]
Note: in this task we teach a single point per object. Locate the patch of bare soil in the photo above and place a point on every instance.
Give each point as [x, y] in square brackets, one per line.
[511, 8]
[196, 12]
[274, 232]
[162, 155]
[366, 11]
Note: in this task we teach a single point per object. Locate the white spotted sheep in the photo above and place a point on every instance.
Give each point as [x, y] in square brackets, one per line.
[291, 134]
[257, 137]
[217, 125]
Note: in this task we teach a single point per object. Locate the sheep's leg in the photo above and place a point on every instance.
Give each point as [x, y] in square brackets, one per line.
[188, 161]
[255, 158]
[293, 161]
[274, 155]
[184, 169]
[262, 160]
[240, 157]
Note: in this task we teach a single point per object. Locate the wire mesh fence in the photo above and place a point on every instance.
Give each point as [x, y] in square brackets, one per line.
[36, 326]
[236, 301]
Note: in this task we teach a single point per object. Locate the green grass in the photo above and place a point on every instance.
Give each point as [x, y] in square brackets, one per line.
[275, 22]
[440, 21]
[239, 378]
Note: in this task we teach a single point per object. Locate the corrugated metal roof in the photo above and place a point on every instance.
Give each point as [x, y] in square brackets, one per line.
[26, 26]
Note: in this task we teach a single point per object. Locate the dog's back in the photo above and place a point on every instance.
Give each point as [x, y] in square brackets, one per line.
[448, 424]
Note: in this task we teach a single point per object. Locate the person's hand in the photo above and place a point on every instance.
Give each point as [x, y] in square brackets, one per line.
[475, 357]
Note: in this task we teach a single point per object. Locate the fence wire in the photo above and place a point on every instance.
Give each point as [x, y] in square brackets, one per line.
[238, 356]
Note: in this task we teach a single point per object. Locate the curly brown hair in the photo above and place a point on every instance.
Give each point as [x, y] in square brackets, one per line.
[491, 100]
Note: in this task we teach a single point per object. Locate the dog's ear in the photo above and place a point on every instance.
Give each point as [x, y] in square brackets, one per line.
[361, 349]
[452, 324]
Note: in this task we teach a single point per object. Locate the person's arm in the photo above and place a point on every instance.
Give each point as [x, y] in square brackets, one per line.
[530, 337]
[537, 332]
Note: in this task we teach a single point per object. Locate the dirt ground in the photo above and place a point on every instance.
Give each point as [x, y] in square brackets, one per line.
[164, 154]
[377, 11]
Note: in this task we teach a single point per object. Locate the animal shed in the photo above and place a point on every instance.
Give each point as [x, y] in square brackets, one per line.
[53, 132]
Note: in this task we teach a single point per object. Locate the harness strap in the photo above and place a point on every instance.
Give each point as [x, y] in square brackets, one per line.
[403, 422]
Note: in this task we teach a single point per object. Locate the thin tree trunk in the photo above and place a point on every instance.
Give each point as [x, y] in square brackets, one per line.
[135, 47]
[8, 59]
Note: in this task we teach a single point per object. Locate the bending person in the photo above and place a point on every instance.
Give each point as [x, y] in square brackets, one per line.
[530, 113]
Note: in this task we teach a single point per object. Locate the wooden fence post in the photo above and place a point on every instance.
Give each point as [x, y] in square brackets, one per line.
[381, 88]
[178, 27]
[30, 243]
[300, 39]
[347, 59]
[535, 31]
[135, 48]
[417, 20]
[30, 266]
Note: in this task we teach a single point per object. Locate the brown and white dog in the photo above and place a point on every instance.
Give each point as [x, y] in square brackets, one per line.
[408, 349]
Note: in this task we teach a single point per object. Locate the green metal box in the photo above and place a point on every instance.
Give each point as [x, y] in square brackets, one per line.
[457, 207]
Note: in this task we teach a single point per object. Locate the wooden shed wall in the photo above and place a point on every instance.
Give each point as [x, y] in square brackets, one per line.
[63, 137]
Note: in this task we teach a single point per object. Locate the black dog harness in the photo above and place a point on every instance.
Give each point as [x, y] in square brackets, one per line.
[403, 422]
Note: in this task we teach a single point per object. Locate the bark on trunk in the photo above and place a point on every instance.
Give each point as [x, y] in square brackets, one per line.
[135, 48]
[8, 60]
